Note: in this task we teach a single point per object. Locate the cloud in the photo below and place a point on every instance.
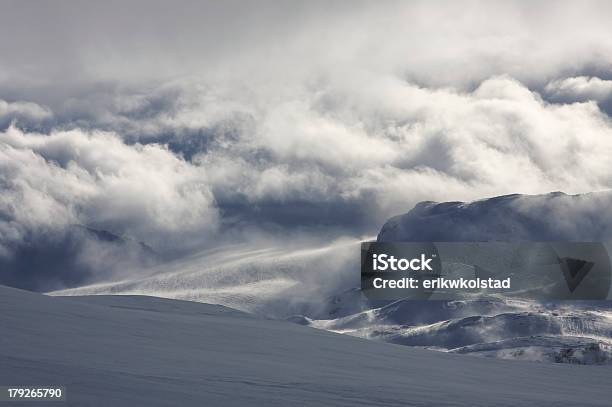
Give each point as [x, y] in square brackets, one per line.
[46, 259]
[27, 114]
[215, 122]
[580, 89]
[371, 146]
[66, 46]
[95, 179]
[388, 144]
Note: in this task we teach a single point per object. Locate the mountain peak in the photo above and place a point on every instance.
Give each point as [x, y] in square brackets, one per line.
[514, 217]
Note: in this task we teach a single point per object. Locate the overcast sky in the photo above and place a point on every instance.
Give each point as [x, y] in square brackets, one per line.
[186, 124]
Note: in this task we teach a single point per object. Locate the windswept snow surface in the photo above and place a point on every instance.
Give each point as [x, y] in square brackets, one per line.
[274, 281]
[146, 351]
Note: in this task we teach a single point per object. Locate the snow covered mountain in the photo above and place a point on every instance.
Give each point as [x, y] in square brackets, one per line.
[549, 217]
[570, 332]
[145, 351]
[318, 286]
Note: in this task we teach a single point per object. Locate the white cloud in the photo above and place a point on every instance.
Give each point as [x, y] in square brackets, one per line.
[401, 143]
[95, 179]
[374, 141]
[580, 89]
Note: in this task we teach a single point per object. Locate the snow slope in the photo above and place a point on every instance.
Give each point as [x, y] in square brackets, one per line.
[145, 351]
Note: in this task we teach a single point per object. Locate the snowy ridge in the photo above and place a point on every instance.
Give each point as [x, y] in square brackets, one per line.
[548, 217]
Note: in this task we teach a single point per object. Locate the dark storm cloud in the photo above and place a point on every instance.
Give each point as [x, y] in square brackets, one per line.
[56, 259]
